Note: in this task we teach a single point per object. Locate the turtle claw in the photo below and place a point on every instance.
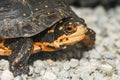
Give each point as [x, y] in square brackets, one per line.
[20, 70]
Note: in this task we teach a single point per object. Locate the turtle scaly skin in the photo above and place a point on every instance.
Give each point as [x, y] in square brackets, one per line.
[31, 26]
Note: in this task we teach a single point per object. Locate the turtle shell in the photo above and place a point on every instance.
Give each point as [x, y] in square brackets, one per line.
[25, 18]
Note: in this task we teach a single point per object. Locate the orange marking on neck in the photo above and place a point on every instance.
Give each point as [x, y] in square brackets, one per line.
[4, 51]
[39, 46]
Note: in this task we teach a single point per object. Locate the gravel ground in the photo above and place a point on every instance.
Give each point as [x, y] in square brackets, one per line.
[100, 63]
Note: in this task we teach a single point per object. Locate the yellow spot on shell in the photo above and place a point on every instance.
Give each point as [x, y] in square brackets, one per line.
[60, 28]
[19, 54]
[5, 20]
[36, 9]
[46, 6]
[71, 18]
[24, 14]
[48, 13]
[20, 22]
[62, 14]
[33, 19]
[50, 31]
[60, 21]
[39, 23]
[70, 23]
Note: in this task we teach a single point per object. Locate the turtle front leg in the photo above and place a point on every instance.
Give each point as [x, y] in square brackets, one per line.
[22, 49]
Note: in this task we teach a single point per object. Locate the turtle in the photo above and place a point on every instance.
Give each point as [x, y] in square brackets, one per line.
[33, 26]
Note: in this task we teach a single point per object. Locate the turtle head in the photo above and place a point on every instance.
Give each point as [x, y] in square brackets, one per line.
[69, 31]
[65, 32]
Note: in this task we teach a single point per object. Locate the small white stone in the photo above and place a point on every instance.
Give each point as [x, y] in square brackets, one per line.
[99, 11]
[4, 64]
[98, 76]
[117, 43]
[17, 78]
[115, 77]
[50, 76]
[38, 66]
[118, 9]
[94, 55]
[38, 78]
[31, 70]
[75, 77]
[106, 69]
[74, 63]
[66, 65]
[6, 75]
[108, 55]
[64, 74]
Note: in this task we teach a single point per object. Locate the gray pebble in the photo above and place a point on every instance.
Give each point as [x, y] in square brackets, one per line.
[108, 55]
[49, 76]
[98, 76]
[6, 75]
[117, 43]
[18, 78]
[64, 74]
[75, 77]
[66, 65]
[55, 69]
[4, 64]
[94, 55]
[106, 69]
[38, 66]
[74, 63]
[38, 78]
[115, 77]
[31, 70]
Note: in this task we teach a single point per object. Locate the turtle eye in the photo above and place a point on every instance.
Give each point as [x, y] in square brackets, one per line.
[69, 28]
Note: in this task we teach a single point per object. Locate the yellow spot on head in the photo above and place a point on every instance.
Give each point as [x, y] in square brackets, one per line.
[60, 28]
[46, 6]
[24, 14]
[70, 23]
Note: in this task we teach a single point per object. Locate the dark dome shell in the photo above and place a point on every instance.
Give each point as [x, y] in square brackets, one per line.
[25, 18]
